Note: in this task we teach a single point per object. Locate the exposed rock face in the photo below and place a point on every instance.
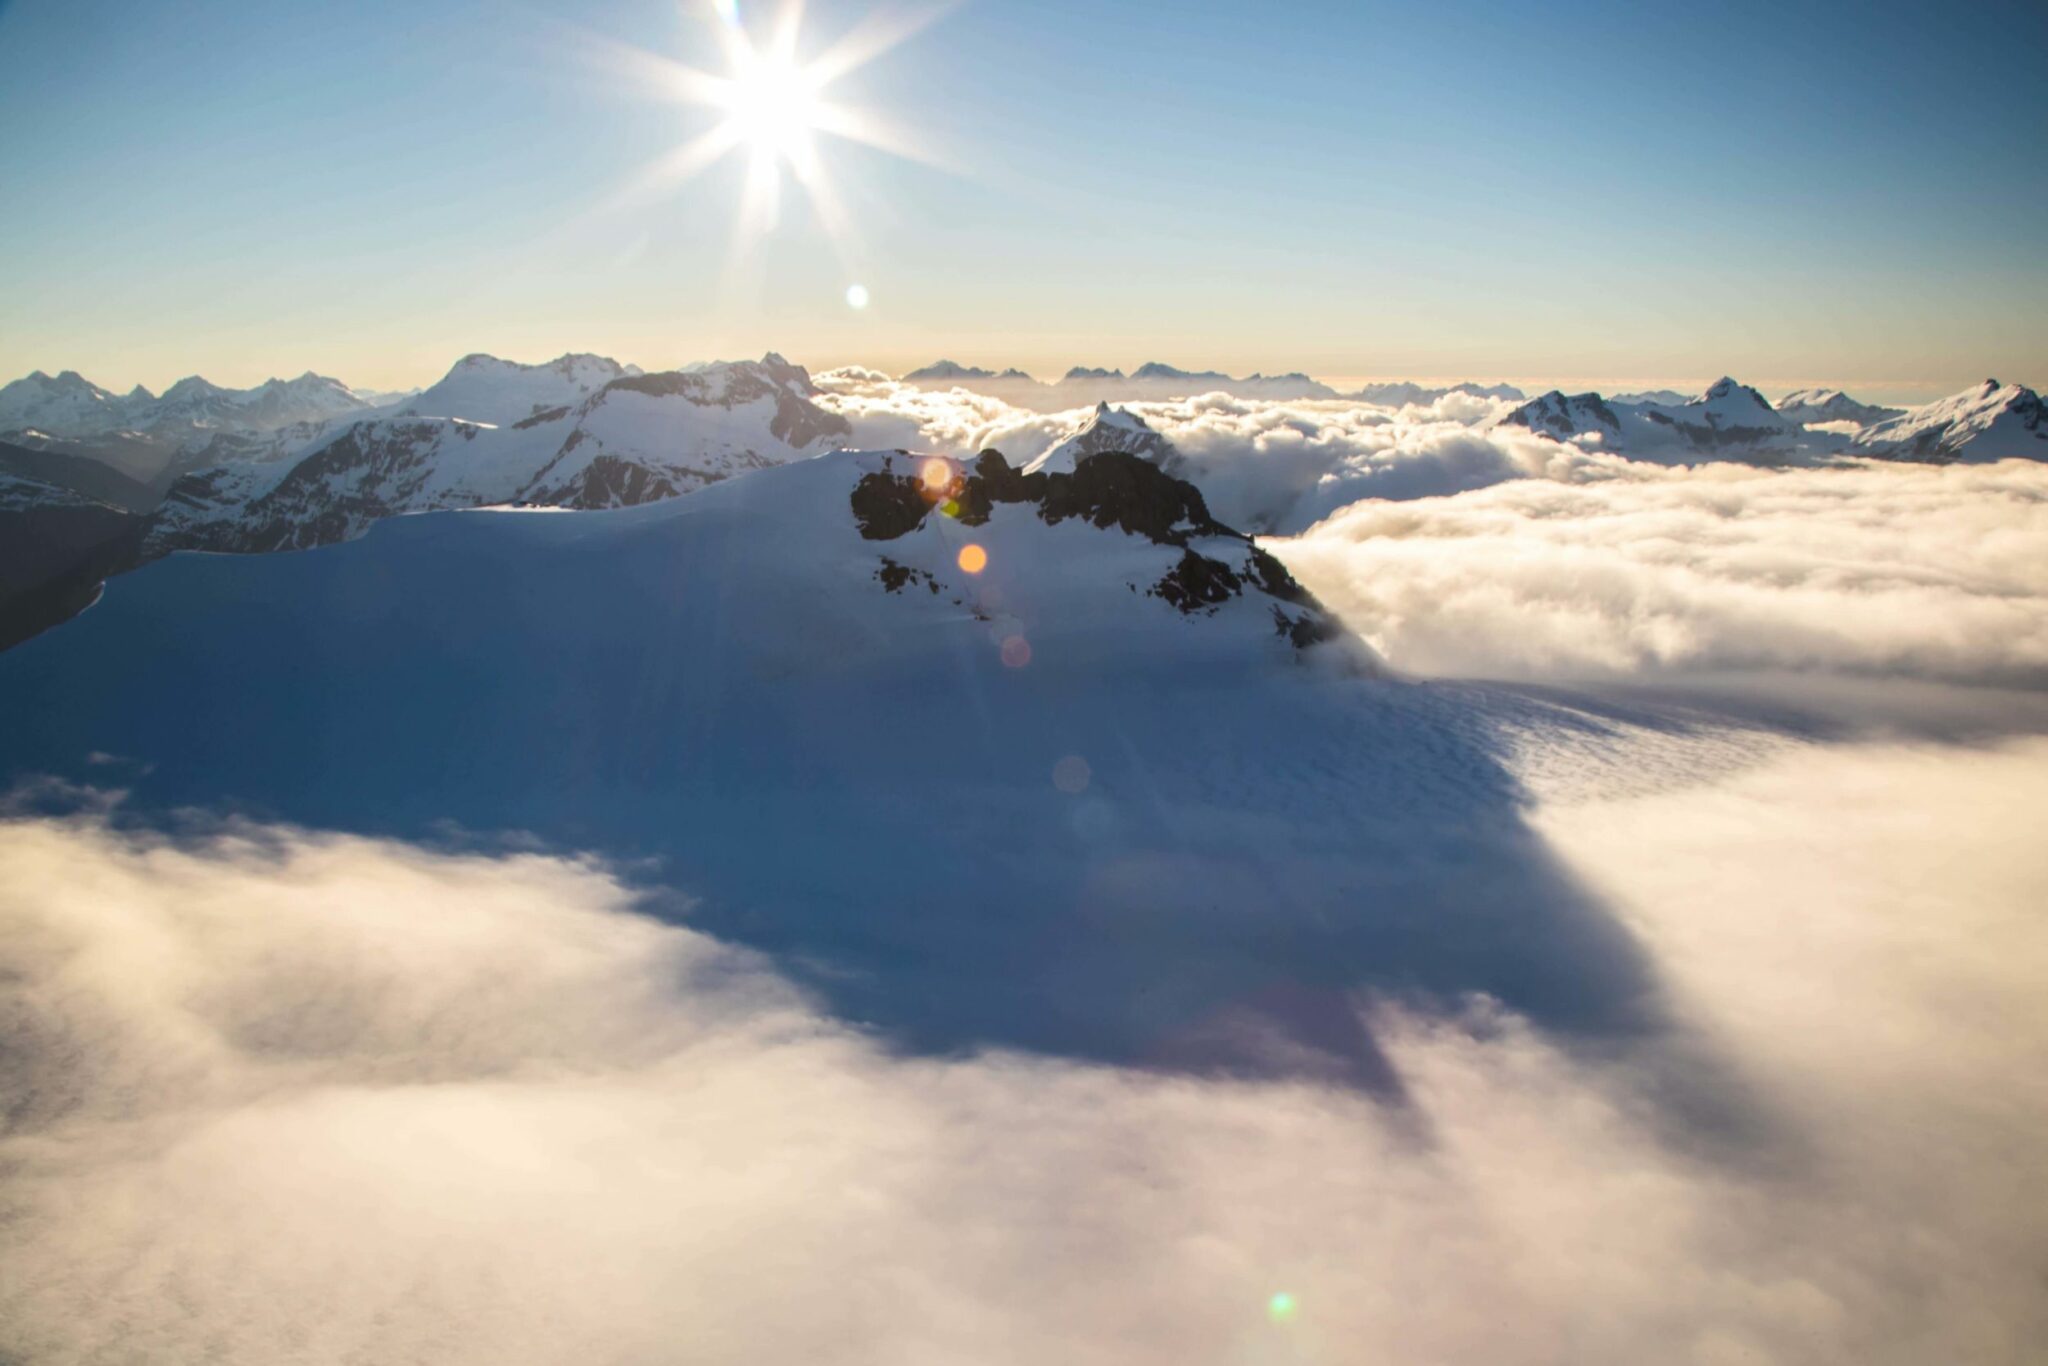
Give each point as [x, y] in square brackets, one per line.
[1110, 490]
[609, 482]
[1564, 416]
[367, 473]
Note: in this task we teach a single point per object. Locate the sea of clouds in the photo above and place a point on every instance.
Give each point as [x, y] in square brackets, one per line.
[1264, 465]
[276, 1095]
[1461, 547]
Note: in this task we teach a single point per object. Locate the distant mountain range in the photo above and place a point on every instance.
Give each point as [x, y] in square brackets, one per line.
[1730, 420]
[1083, 386]
[152, 438]
[308, 462]
[578, 432]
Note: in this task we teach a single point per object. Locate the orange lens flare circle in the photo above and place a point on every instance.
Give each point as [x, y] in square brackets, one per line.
[973, 559]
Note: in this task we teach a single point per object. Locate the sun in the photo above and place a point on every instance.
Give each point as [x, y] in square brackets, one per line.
[775, 109]
[774, 105]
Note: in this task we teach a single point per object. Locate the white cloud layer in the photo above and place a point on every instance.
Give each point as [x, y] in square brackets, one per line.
[1263, 465]
[280, 1096]
[1896, 571]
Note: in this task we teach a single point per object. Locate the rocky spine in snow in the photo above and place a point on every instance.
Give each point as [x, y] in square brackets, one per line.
[1108, 490]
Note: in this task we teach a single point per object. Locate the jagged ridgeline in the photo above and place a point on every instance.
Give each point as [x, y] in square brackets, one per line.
[1110, 489]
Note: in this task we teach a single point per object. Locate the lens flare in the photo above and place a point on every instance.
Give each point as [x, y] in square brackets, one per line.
[937, 475]
[973, 559]
[1072, 775]
[856, 297]
[775, 107]
[1016, 652]
[1282, 1307]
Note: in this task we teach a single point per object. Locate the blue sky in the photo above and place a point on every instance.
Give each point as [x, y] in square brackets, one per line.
[1580, 192]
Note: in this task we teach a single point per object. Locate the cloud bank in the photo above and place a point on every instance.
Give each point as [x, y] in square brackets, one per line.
[1896, 571]
[277, 1095]
[1263, 465]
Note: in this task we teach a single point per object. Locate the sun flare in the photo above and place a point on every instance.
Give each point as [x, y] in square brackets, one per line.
[775, 105]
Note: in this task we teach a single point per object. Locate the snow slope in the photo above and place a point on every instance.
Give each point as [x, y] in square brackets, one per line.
[1808, 406]
[498, 392]
[1990, 422]
[1104, 797]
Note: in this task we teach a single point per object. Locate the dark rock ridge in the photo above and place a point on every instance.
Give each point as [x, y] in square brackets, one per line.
[1560, 415]
[1109, 490]
[56, 548]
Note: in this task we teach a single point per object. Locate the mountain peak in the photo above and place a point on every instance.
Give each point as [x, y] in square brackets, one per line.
[192, 385]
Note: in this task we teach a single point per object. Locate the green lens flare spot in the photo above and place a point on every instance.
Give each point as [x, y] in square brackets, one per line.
[1282, 1307]
[951, 507]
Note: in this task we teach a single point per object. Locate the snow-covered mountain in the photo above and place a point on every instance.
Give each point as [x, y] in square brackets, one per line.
[201, 407]
[1831, 405]
[63, 405]
[154, 439]
[1404, 393]
[500, 392]
[632, 438]
[1992, 421]
[1049, 762]
[1110, 429]
[1730, 421]
[1084, 385]
[70, 406]
[950, 373]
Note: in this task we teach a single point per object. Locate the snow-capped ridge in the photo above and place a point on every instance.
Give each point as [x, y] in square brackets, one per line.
[1728, 421]
[536, 436]
[1809, 406]
[1109, 429]
[1991, 421]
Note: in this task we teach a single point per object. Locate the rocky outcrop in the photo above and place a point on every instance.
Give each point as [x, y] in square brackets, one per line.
[1110, 490]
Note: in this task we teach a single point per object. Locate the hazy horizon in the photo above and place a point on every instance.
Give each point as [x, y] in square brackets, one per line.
[1874, 391]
